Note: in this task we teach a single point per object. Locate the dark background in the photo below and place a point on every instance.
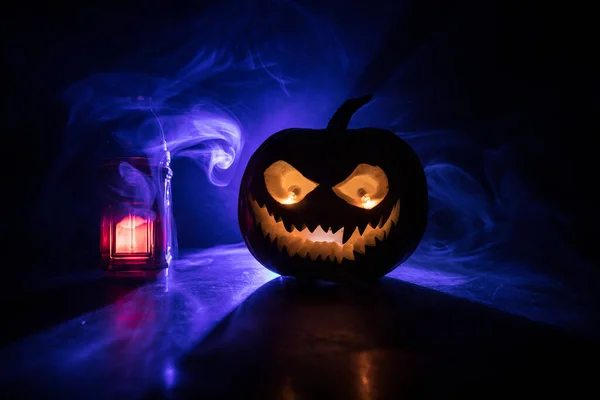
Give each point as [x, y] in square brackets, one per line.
[530, 65]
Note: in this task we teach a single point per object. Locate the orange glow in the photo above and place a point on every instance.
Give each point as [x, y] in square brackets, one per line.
[320, 243]
[365, 187]
[365, 374]
[367, 202]
[286, 184]
[131, 235]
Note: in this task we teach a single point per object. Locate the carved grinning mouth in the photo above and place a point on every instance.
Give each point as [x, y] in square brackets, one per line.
[321, 243]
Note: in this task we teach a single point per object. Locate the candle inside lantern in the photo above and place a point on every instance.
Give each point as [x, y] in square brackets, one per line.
[135, 232]
[131, 235]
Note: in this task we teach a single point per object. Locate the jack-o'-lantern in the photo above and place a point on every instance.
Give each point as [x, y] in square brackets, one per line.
[336, 204]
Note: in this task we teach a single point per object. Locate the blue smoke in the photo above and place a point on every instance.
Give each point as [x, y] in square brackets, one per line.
[212, 89]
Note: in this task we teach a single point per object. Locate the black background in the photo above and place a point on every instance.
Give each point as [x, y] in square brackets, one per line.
[536, 60]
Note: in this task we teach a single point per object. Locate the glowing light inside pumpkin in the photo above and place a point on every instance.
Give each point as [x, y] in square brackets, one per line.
[366, 200]
[321, 243]
[131, 235]
[366, 186]
[286, 184]
[293, 193]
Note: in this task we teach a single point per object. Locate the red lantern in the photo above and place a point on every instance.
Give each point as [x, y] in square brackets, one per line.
[136, 226]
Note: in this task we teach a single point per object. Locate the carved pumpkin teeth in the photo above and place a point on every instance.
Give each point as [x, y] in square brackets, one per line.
[293, 246]
[374, 221]
[336, 227]
[339, 231]
[347, 235]
[312, 228]
[361, 230]
[322, 243]
[359, 245]
[348, 251]
[288, 226]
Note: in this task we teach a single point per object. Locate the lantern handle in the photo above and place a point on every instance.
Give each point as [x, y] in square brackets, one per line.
[341, 118]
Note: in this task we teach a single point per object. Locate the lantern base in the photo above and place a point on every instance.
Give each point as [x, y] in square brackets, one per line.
[143, 274]
[136, 269]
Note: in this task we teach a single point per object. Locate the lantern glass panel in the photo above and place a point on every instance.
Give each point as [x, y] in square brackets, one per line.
[133, 236]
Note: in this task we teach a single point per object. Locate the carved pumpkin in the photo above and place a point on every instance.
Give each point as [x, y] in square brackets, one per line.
[335, 204]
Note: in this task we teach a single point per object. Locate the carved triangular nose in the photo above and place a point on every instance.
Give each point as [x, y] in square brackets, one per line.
[325, 208]
[324, 197]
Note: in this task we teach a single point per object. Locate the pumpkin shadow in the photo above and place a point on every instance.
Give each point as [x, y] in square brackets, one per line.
[380, 340]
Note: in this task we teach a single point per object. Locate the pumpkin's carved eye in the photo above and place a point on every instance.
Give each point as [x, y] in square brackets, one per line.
[286, 184]
[366, 186]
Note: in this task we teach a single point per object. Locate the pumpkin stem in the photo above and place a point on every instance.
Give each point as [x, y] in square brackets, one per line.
[341, 118]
